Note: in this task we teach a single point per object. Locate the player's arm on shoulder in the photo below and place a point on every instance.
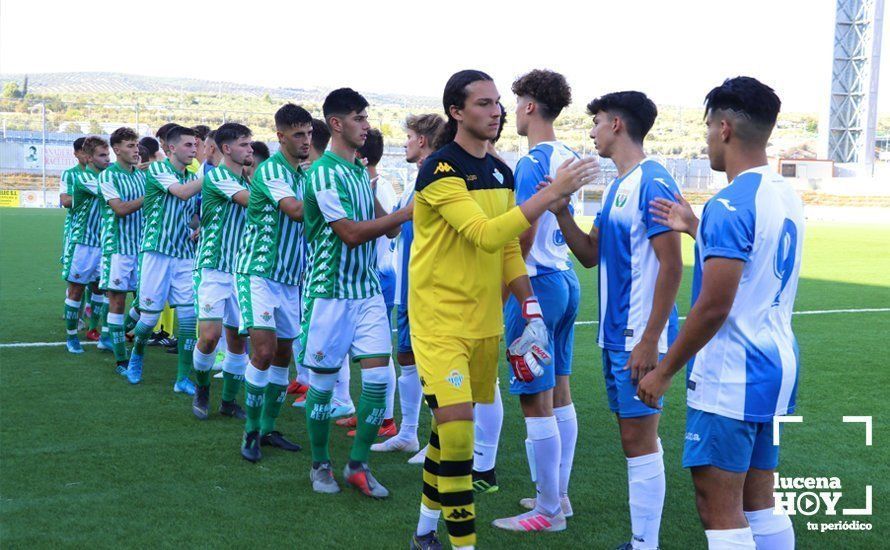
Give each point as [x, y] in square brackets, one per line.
[663, 204]
[65, 198]
[111, 196]
[170, 182]
[234, 191]
[283, 194]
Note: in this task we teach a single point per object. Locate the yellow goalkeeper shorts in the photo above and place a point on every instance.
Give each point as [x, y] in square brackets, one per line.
[456, 370]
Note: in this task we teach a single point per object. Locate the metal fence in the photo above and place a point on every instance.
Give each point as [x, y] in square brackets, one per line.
[35, 142]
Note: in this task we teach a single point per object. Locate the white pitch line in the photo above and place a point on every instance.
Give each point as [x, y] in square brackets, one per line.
[577, 323]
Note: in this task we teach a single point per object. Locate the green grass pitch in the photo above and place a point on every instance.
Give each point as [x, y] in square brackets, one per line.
[87, 460]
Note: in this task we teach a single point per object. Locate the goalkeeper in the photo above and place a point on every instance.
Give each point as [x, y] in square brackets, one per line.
[466, 244]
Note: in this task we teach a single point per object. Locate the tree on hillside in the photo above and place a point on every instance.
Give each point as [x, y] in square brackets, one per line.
[11, 90]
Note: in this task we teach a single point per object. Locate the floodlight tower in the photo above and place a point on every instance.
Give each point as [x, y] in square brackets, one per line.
[853, 109]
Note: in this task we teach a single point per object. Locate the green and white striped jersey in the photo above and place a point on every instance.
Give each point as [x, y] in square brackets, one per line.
[86, 225]
[121, 235]
[338, 189]
[272, 246]
[66, 186]
[167, 218]
[222, 219]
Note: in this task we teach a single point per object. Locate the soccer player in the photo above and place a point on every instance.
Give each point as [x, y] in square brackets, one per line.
[225, 196]
[269, 274]
[345, 311]
[546, 401]
[86, 253]
[321, 136]
[167, 254]
[737, 338]
[66, 194]
[421, 131]
[465, 247]
[640, 267]
[122, 188]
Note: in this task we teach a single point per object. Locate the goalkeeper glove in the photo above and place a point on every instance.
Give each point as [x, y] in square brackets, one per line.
[527, 352]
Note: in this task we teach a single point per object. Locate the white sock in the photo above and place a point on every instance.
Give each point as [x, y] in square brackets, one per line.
[203, 361]
[341, 390]
[771, 531]
[278, 375]
[410, 396]
[544, 435]
[428, 520]
[134, 315]
[567, 422]
[255, 376]
[488, 420]
[730, 539]
[646, 482]
[235, 363]
[390, 390]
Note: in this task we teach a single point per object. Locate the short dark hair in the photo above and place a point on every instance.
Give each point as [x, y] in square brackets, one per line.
[321, 134]
[92, 143]
[144, 154]
[201, 131]
[162, 131]
[343, 101]
[456, 94]
[211, 135]
[175, 133]
[229, 132]
[637, 111]
[749, 99]
[549, 89]
[372, 150]
[260, 151]
[78, 144]
[123, 134]
[150, 144]
[290, 115]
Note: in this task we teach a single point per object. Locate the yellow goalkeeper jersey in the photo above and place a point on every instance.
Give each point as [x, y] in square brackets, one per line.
[466, 243]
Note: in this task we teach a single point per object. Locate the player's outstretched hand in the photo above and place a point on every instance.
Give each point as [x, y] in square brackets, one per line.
[643, 359]
[676, 215]
[556, 206]
[574, 174]
[652, 387]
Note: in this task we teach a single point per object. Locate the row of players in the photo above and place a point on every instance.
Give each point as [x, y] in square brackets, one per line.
[471, 239]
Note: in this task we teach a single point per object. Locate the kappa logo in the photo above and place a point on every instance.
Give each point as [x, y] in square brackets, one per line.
[620, 200]
[460, 513]
[455, 378]
[725, 202]
[443, 168]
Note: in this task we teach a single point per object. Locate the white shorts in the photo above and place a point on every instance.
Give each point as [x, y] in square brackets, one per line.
[163, 278]
[217, 300]
[84, 264]
[269, 305]
[333, 328]
[120, 272]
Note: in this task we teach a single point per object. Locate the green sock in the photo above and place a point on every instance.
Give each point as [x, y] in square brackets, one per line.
[253, 403]
[140, 337]
[275, 395]
[119, 339]
[371, 409]
[231, 385]
[96, 315]
[130, 320]
[72, 314]
[187, 340]
[203, 377]
[318, 422]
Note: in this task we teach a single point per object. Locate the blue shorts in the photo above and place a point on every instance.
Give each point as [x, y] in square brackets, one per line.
[388, 288]
[404, 330]
[727, 443]
[620, 389]
[559, 295]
